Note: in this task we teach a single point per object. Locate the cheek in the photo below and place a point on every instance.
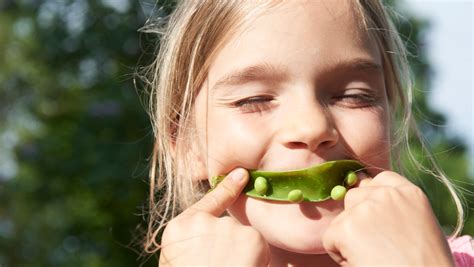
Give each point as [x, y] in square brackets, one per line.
[368, 135]
[234, 141]
[226, 141]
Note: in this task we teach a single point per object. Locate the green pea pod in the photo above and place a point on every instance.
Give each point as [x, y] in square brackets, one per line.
[315, 182]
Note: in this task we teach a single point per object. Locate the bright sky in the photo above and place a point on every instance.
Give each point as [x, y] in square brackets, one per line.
[450, 50]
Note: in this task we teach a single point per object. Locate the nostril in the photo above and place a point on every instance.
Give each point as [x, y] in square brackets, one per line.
[310, 136]
[312, 147]
[297, 145]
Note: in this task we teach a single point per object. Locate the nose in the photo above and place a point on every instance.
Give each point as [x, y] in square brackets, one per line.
[309, 126]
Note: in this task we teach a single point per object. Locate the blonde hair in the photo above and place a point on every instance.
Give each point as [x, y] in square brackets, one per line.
[189, 41]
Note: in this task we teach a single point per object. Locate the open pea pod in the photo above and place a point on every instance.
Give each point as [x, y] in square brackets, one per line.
[314, 184]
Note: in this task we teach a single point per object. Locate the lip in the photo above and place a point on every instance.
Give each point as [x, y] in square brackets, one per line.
[298, 166]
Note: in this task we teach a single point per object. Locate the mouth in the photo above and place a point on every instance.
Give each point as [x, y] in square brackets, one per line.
[328, 180]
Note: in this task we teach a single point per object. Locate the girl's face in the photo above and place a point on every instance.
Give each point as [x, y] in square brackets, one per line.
[297, 86]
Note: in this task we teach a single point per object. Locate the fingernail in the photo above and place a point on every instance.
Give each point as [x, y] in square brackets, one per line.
[237, 175]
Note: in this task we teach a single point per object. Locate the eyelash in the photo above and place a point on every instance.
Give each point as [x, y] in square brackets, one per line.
[263, 103]
[360, 100]
[255, 104]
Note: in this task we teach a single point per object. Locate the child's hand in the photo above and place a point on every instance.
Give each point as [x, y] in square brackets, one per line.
[387, 221]
[199, 236]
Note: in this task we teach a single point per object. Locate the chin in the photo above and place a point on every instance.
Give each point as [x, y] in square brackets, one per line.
[302, 245]
[292, 227]
[299, 235]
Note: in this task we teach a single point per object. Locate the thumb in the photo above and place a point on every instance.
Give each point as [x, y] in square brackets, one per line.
[224, 195]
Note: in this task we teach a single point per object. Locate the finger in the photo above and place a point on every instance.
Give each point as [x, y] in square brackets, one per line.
[330, 241]
[363, 179]
[220, 198]
[366, 185]
[388, 178]
[357, 195]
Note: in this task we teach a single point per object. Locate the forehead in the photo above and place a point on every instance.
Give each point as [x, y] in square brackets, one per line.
[301, 36]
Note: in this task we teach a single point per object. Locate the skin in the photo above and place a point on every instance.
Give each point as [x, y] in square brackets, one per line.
[306, 111]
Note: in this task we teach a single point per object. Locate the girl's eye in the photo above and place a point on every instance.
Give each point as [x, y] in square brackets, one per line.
[255, 104]
[355, 100]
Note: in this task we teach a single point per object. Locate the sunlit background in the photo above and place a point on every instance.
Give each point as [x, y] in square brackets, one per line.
[75, 138]
[449, 47]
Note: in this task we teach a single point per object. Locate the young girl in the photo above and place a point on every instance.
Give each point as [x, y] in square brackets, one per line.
[282, 85]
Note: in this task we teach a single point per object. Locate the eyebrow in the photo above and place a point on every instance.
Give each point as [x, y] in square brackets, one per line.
[263, 72]
[358, 64]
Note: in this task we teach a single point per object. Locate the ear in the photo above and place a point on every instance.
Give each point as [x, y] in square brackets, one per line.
[188, 154]
[172, 138]
[197, 165]
[172, 145]
[190, 157]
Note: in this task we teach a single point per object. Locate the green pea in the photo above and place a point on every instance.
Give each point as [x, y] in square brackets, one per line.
[311, 184]
[261, 185]
[295, 195]
[351, 179]
[338, 192]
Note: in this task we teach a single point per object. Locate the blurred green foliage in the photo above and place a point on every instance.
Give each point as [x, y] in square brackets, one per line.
[450, 151]
[80, 136]
[74, 137]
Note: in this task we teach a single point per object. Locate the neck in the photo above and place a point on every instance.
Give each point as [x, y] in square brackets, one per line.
[283, 258]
